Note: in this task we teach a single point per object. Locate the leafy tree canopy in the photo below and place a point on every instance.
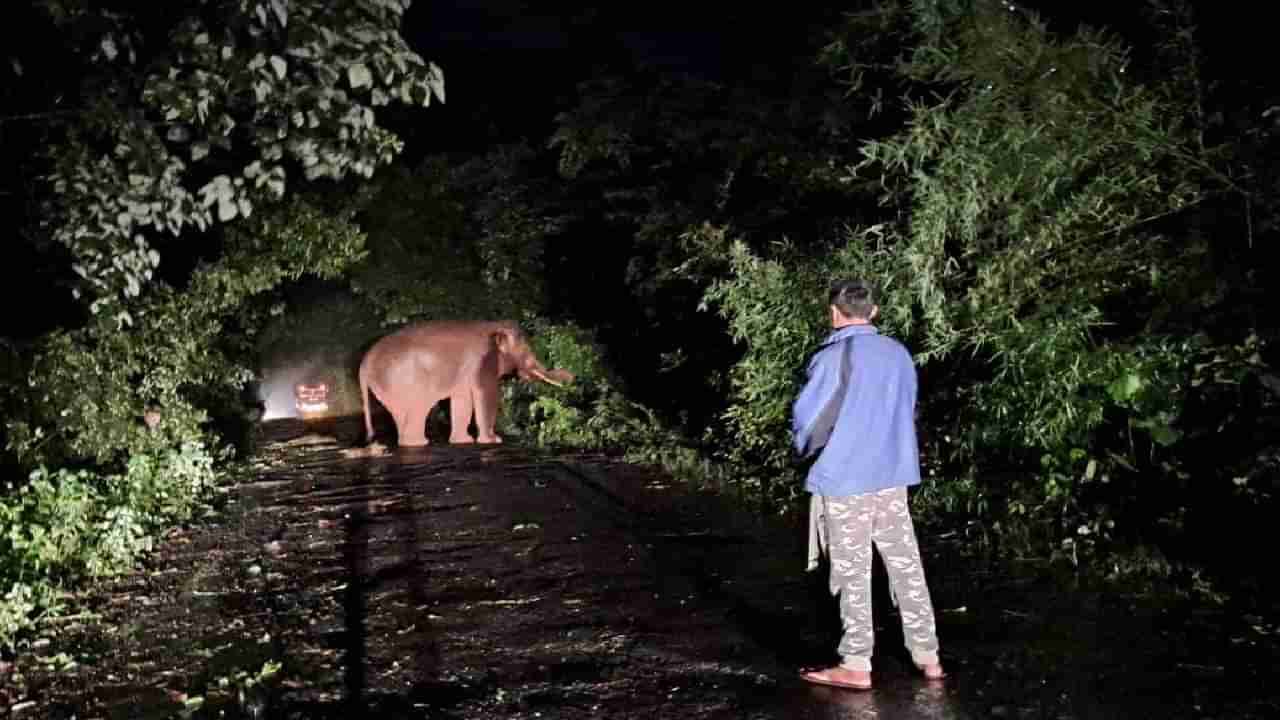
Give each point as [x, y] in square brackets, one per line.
[197, 114]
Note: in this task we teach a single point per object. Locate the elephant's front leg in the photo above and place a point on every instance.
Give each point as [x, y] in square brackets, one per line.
[486, 403]
[460, 409]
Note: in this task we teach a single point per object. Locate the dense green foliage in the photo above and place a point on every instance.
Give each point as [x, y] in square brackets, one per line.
[1033, 249]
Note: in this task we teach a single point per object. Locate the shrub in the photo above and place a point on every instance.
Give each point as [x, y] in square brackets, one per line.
[99, 482]
[593, 413]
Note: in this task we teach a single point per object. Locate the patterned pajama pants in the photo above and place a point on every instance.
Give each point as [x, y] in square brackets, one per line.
[854, 525]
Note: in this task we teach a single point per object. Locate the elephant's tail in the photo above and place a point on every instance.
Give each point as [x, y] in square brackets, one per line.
[364, 402]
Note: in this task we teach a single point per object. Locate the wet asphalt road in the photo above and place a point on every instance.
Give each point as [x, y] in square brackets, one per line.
[492, 582]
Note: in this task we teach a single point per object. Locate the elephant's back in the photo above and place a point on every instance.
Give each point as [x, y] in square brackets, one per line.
[426, 343]
[435, 327]
[441, 332]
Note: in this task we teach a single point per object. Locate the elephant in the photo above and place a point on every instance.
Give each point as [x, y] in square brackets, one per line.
[411, 370]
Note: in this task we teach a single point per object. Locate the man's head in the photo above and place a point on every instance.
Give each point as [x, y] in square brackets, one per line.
[853, 302]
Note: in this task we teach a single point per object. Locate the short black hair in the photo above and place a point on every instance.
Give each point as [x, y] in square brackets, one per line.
[854, 299]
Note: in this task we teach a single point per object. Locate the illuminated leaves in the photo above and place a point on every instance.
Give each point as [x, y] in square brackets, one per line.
[1026, 193]
[358, 75]
[265, 85]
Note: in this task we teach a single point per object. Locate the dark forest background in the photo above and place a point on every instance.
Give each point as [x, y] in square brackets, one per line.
[1068, 212]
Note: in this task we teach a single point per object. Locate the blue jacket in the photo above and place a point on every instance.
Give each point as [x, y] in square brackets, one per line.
[865, 426]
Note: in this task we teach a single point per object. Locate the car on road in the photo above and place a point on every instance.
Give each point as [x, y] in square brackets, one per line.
[312, 397]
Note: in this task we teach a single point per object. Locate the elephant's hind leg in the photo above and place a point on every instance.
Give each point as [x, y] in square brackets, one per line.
[411, 421]
[401, 414]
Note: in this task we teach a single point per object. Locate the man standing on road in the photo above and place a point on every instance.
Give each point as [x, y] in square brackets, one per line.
[858, 410]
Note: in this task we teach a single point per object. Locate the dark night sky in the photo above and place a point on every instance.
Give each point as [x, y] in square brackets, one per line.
[510, 65]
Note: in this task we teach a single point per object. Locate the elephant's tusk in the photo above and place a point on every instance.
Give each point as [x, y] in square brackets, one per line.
[544, 378]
